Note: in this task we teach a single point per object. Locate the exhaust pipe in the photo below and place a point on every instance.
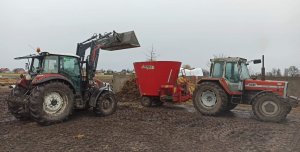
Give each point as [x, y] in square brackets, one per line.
[263, 70]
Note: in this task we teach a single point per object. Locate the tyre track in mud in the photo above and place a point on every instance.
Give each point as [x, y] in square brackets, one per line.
[295, 137]
[166, 128]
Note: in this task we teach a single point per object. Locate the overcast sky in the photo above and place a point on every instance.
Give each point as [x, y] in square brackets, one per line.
[190, 31]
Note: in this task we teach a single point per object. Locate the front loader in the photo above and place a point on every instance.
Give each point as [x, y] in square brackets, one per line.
[58, 83]
[230, 84]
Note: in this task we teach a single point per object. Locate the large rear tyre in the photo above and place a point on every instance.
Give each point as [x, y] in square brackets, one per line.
[51, 103]
[270, 107]
[16, 104]
[146, 101]
[209, 98]
[106, 104]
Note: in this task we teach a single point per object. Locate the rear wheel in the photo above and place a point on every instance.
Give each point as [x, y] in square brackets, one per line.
[106, 104]
[51, 103]
[146, 101]
[209, 98]
[16, 104]
[270, 107]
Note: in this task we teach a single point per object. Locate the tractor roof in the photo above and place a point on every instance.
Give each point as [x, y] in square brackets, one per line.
[229, 59]
[45, 54]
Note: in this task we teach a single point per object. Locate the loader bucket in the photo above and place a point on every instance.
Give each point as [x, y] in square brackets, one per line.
[119, 41]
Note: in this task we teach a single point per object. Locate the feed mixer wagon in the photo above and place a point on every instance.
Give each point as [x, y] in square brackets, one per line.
[157, 83]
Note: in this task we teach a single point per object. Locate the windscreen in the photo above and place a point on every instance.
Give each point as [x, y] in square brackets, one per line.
[245, 72]
[50, 64]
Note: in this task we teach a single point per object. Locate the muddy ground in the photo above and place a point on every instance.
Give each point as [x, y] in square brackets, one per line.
[167, 128]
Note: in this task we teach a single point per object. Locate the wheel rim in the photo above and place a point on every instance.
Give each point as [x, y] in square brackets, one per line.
[106, 104]
[146, 101]
[270, 108]
[208, 98]
[54, 103]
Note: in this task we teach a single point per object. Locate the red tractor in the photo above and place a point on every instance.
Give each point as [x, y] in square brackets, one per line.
[58, 83]
[230, 84]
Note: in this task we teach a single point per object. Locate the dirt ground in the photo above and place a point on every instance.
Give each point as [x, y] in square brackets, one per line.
[167, 128]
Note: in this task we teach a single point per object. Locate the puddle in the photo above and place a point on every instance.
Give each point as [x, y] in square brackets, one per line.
[8, 119]
[188, 108]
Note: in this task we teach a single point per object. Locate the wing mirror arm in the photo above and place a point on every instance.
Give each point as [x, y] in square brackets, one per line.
[26, 66]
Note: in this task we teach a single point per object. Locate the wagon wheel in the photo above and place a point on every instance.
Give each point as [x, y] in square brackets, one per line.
[146, 101]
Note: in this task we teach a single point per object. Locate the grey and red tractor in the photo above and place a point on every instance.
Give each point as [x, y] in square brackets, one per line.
[230, 84]
[58, 83]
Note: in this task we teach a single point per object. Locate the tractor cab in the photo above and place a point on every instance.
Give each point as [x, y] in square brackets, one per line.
[233, 70]
[45, 66]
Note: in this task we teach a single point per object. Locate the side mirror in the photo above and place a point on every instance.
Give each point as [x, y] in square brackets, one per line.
[257, 61]
[26, 66]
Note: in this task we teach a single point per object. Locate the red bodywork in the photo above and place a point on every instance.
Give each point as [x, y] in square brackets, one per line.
[223, 84]
[277, 87]
[23, 83]
[44, 77]
[159, 79]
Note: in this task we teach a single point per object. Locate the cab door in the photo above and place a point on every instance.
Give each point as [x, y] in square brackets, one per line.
[232, 76]
[69, 66]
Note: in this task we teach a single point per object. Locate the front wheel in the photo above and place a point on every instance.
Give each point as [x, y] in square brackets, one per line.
[146, 101]
[270, 107]
[16, 104]
[106, 104]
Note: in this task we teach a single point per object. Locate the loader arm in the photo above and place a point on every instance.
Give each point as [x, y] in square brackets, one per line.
[109, 41]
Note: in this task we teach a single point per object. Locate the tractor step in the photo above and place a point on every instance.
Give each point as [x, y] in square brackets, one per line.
[236, 99]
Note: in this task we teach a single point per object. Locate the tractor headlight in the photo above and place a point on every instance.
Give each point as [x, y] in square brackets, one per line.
[28, 77]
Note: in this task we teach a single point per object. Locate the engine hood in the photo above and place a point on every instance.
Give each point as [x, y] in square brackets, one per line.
[278, 87]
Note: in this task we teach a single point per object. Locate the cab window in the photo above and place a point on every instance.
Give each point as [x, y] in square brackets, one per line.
[245, 73]
[218, 70]
[69, 65]
[50, 64]
[232, 72]
[35, 65]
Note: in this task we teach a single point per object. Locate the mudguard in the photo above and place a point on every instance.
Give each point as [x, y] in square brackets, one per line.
[291, 100]
[222, 83]
[96, 94]
[258, 93]
[49, 77]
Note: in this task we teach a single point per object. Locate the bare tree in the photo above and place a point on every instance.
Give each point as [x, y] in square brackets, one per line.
[278, 73]
[205, 72]
[208, 64]
[274, 72]
[293, 71]
[152, 55]
[219, 56]
[187, 66]
[270, 74]
[286, 72]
